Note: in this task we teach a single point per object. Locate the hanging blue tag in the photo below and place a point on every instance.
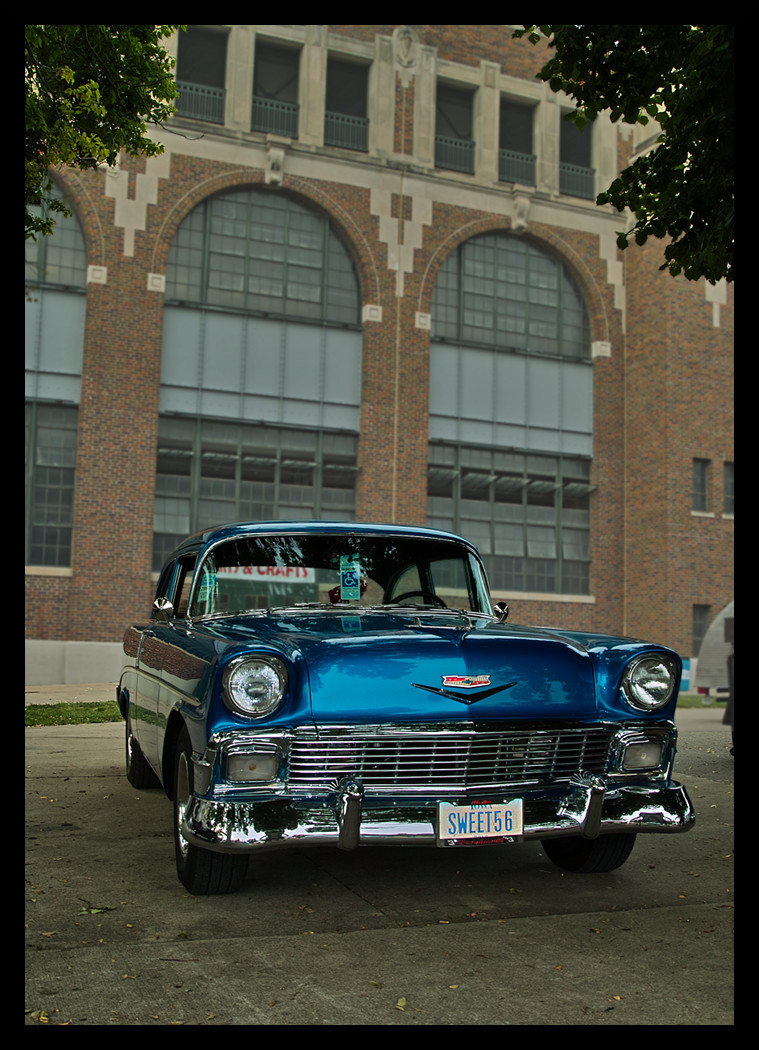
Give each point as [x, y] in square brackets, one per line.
[350, 578]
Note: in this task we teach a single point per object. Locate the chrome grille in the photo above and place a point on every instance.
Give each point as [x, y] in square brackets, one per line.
[411, 760]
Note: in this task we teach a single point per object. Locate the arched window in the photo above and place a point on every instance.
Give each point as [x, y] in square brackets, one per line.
[261, 368]
[263, 252]
[511, 413]
[501, 290]
[59, 258]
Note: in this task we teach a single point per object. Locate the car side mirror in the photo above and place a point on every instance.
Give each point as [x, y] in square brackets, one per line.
[163, 610]
[500, 611]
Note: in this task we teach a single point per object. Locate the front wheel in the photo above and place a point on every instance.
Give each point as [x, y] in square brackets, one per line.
[589, 856]
[201, 871]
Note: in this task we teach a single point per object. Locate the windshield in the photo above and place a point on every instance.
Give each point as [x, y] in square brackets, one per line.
[338, 570]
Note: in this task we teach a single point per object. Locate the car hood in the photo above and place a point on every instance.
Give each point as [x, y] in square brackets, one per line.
[418, 667]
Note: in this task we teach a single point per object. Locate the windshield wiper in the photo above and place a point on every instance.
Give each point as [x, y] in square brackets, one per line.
[341, 606]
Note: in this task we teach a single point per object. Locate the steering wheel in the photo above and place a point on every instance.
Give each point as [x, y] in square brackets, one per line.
[429, 599]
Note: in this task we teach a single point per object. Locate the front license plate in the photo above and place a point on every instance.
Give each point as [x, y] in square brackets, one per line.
[486, 822]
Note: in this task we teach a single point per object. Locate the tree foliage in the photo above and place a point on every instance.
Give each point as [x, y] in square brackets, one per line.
[91, 91]
[682, 78]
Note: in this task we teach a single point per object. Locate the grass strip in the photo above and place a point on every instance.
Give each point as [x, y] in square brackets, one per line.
[72, 714]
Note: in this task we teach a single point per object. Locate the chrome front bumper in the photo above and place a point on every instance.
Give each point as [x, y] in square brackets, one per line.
[588, 806]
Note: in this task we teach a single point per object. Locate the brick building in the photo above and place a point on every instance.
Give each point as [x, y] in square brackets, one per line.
[367, 279]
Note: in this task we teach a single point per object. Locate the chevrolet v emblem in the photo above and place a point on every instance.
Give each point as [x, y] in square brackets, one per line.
[465, 682]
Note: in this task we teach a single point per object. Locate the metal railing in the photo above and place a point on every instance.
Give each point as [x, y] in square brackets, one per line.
[346, 132]
[576, 181]
[279, 118]
[201, 102]
[454, 154]
[516, 167]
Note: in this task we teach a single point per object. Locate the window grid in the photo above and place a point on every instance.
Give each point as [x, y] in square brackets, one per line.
[213, 472]
[529, 515]
[700, 496]
[262, 253]
[500, 290]
[51, 432]
[728, 488]
[61, 257]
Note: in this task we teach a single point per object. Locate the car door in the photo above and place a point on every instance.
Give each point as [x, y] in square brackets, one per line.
[144, 698]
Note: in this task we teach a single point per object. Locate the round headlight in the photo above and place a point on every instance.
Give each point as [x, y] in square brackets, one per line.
[255, 686]
[649, 681]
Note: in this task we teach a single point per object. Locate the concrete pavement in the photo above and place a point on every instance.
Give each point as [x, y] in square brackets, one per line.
[487, 936]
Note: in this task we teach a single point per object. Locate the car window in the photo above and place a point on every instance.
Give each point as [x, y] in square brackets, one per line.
[183, 584]
[264, 572]
[408, 581]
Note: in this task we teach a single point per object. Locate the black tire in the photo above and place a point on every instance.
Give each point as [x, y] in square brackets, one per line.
[201, 871]
[139, 772]
[589, 856]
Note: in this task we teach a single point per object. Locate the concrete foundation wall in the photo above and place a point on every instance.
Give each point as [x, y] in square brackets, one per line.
[50, 662]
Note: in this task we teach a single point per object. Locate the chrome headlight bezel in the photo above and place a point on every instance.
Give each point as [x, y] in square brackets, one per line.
[649, 681]
[254, 686]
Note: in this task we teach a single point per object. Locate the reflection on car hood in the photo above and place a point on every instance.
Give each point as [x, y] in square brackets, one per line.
[423, 666]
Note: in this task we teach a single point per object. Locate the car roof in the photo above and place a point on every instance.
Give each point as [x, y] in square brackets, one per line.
[210, 537]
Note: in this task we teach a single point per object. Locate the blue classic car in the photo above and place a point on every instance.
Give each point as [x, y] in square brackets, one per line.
[311, 683]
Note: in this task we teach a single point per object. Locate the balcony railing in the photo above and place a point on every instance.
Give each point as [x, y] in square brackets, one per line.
[454, 154]
[576, 181]
[516, 167]
[201, 102]
[279, 118]
[346, 132]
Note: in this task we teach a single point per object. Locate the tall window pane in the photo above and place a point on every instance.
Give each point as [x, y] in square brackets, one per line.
[511, 418]
[700, 485]
[529, 515]
[728, 478]
[211, 472]
[275, 90]
[50, 460]
[201, 73]
[454, 145]
[345, 121]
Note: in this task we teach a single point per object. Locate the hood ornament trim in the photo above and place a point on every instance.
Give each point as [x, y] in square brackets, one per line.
[465, 682]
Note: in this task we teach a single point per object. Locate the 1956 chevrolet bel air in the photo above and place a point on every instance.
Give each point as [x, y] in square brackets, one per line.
[311, 683]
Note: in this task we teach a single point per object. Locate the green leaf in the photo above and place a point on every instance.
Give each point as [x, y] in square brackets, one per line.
[90, 92]
[682, 77]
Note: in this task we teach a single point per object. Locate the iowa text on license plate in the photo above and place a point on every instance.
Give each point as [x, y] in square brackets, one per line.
[491, 820]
